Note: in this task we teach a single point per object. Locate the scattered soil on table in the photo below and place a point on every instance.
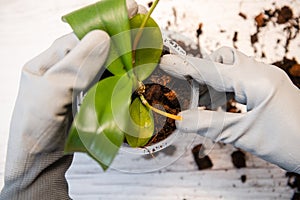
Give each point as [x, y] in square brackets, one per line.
[243, 15]
[284, 17]
[292, 68]
[296, 196]
[243, 178]
[235, 39]
[199, 30]
[294, 183]
[238, 159]
[150, 4]
[293, 180]
[203, 161]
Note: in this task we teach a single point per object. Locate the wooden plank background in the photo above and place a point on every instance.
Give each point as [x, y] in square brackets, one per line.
[28, 27]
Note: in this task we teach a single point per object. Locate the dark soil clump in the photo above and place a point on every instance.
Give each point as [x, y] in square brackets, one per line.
[296, 196]
[203, 162]
[278, 16]
[238, 159]
[243, 178]
[294, 183]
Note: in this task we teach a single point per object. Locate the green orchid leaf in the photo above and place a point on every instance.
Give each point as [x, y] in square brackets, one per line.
[95, 123]
[74, 143]
[107, 113]
[143, 122]
[110, 16]
[114, 62]
[149, 48]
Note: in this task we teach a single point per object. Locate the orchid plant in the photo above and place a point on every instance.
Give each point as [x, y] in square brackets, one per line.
[109, 113]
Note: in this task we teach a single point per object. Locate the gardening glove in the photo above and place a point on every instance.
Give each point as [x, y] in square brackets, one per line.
[133, 8]
[36, 163]
[269, 129]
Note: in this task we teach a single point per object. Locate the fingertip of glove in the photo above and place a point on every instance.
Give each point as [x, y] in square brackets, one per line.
[132, 8]
[174, 65]
[170, 59]
[188, 117]
[177, 65]
[142, 9]
[95, 39]
[56, 52]
[69, 38]
[193, 120]
[224, 55]
[97, 36]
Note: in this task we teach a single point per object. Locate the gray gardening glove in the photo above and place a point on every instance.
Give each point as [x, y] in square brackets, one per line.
[133, 8]
[36, 164]
[269, 129]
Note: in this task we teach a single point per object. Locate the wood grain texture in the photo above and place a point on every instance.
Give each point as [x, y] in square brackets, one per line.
[181, 180]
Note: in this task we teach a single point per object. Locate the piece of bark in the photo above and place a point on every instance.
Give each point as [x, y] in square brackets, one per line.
[238, 159]
[202, 161]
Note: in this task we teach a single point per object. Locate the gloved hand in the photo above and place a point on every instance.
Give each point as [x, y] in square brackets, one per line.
[269, 129]
[134, 8]
[36, 164]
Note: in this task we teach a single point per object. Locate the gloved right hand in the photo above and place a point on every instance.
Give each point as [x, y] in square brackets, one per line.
[269, 129]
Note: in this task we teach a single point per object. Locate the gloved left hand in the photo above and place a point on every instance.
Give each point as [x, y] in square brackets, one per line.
[36, 164]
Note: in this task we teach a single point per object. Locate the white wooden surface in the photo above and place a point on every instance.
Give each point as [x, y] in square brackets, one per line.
[28, 27]
[181, 180]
